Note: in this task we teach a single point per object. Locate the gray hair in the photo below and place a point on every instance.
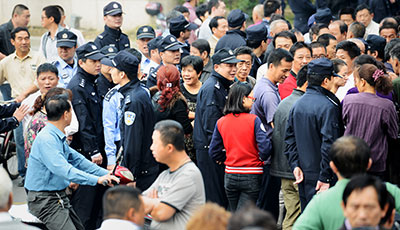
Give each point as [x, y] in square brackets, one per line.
[275, 24]
[5, 188]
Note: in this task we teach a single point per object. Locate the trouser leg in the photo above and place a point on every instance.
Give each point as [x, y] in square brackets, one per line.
[250, 185]
[268, 199]
[292, 203]
[19, 142]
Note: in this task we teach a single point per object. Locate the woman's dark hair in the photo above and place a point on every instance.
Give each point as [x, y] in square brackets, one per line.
[234, 103]
[201, 10]
[376, 78]
[40, 100]
[202, 45]
[168, 78]
[194, 61]
[337, 64]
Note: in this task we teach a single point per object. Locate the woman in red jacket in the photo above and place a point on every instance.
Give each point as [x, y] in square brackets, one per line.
[246, 145]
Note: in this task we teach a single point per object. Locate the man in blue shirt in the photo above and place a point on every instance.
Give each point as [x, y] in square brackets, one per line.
[53, 165]
[66, 63]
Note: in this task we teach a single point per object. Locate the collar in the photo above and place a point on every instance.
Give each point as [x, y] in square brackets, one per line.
[58, 132]
[130, 85]
[209, 66]
[270, 83]
[59, 28]
[14, 55]
[109, 30]
[119, 224]
[225, 82]
[9, 26]
[325, 92]
[64, 65]
[215, 38]
[298, 92]
[293, 74]
[87, 76]
[237, 31]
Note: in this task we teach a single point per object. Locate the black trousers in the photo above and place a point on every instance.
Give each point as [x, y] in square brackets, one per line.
[87, 203]
[54, 210]
[213, 177]
[268, 199]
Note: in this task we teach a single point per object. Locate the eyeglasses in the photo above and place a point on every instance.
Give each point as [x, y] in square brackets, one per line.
[251, 98]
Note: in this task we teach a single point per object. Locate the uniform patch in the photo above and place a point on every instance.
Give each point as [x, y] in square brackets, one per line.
[94, 47]
[115, 5]
[65, 35]
[129, 118]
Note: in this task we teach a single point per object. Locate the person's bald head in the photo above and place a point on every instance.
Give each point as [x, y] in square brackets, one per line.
[258, 13]
[278, 26]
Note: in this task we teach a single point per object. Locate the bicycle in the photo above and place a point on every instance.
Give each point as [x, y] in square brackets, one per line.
[8, 154]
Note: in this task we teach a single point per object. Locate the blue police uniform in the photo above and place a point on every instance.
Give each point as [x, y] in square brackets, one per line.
[111, 118]
[103, 86]
[302, 10]
[112, 37]
[152, 78]
[65, 71]
[137, 123]
[89, 140]
[232, 40]
[8, 122]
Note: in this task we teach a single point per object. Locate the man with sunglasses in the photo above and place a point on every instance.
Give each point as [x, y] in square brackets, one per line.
[112, 34]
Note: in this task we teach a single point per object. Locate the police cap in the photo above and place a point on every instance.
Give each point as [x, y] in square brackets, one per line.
[145, 32]
[112, 8]
[236, 18]
[257, 33]
[322, 67]
[224, 55]
[169, 42]
[89, 51]
[66, 38]
[180, 24]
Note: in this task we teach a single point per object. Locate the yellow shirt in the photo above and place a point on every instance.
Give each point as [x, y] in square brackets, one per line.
[20, 72]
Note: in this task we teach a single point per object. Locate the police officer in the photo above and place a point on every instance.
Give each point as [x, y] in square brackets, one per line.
[155, 58]
[112, 34]
[169, 48]
[181, 29]
[236, 36]
[89, 140]
[137, 120]
[257, 40]
[67, 62]
[104, 82]
[210, 103]
[143, 36]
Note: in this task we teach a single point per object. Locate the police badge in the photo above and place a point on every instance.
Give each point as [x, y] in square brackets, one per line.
[129, 118]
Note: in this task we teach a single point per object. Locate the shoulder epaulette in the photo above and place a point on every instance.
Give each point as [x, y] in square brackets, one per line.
[110, 94]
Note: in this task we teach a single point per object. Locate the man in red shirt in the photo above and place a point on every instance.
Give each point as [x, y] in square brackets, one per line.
[302, 55]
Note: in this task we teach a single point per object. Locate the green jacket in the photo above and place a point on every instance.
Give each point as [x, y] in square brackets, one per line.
[324, 210]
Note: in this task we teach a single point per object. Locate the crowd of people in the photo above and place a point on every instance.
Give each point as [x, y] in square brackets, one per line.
[216, 121]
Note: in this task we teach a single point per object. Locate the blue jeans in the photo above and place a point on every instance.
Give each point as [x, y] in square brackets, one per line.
[240, 188]
[19, 142]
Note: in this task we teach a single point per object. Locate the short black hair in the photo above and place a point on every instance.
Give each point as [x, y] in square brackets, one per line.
[389, 25]
[243, 50]
[363, 7]
[316, 79]
[201, 10]
[52, 11]
[61, 9]
[202, 45]
[358, 29]
[350, 155]
[194, 61]
[182, 9]
[364, 59]
[56, 106]
[316, 28]
[214, 22]
[325, 39]
[360, 182]
[211, 4]
[277, 55]
[391, 206]
[135, 53]
[302, 76]
[342, 26]
[390, 46]
[347, 10]
[315, 45]
[234, 103]
[285, 34]
[118, 200]
[46, 67]
[171, 132]
[18, 9]
[17, 30]
[251, 216]
[299, 45]
[176, 33]
[352, 49]
[270, 6]
[337, 64]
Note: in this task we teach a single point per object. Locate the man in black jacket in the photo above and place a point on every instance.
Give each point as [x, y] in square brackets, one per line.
[314, 123]
[236, 36]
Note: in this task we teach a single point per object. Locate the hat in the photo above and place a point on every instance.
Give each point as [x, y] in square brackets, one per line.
[109, 53]
[145, 32]
[236, 18]
[127, 62]
[323, 15]
[180, 24]
[376, 42]
[89, 51]
[322, 66]
[224, 55]
[257, 33]
[66, 38]
[169, 42]
[154, 43]
[112, 8]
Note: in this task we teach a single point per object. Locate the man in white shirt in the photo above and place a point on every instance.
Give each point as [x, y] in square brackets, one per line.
[216, 8]
[365, 16]
[123, 209]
